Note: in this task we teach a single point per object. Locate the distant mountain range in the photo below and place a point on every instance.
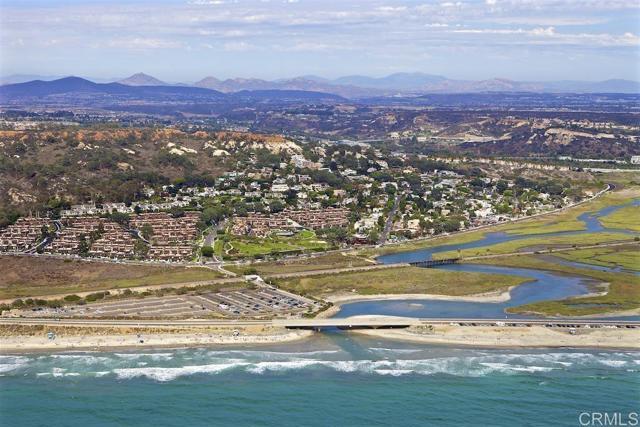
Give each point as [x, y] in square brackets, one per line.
[394, 84]
[77, 91]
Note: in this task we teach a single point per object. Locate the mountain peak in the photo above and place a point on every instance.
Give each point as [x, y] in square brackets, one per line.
[141, 79]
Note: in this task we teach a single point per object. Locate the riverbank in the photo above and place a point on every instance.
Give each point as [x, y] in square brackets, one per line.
[495, 296]
[35, 338]
[490, 336]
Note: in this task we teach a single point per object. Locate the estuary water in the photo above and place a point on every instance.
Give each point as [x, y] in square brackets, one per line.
[332, 379]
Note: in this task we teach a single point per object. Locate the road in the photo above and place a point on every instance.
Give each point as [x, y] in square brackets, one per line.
[389, 223]
[348, 323]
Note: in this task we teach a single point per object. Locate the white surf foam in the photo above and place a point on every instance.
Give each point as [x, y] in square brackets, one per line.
[169, 374]
[395, 350]
[152, 356]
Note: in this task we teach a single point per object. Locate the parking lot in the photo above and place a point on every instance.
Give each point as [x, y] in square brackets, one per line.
[260, 302]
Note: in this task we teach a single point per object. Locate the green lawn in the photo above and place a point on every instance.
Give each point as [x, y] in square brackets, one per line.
[626, 218]
[401, 280]
[624, 289]
[305, 240]
[537, 243]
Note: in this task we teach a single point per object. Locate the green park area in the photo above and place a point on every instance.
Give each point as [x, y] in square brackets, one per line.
[401, 280]
[255, 247]
[30, 276]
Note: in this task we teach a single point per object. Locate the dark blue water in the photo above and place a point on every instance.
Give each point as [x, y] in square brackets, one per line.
[334, 379]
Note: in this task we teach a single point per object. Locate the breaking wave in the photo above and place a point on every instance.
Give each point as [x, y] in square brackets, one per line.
[395, 362]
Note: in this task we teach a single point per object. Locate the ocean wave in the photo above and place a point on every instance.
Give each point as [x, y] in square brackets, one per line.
[262, 367]
[614, 363]
[11, 363]
[451, 366]
[169, 366]
[505, 367]
[153, 356]
[8, 367]
[269, 354]
[168, 374]
[83, 358]
[393, 372]
[395, 350]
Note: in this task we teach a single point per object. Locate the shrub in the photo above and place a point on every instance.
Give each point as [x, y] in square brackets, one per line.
[206, 251]
[72, 298]
[95, 296]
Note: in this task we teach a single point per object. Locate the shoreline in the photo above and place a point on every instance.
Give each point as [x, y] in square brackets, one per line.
[495, 296]
[512, 337]
[104, 343]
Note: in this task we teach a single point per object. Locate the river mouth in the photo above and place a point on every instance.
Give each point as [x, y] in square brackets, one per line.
[543, 285]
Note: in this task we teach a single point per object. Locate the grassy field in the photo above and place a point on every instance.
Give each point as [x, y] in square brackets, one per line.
[626, 218]
[321, 262]
[28, 276]
[402, 280]
[243, 247]
[627, 257]
[537, 243]
[624, 289]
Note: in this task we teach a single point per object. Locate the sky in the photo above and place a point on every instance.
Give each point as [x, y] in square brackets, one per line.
[184, 41]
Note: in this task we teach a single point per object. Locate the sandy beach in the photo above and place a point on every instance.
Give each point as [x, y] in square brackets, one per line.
[498, 296]
[85, 339]
[535, 336]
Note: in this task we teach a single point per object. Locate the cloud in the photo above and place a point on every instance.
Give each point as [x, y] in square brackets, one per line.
[550, 36]
[139, 43]
[550, 31]
[237, 46]
[374, 33]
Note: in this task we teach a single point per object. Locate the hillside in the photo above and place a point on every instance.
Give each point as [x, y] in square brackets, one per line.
[77, 164]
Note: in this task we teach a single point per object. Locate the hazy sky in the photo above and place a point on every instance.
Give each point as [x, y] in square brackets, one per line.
[187, 40]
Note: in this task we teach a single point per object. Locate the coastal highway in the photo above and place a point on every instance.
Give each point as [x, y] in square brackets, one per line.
[363, 322]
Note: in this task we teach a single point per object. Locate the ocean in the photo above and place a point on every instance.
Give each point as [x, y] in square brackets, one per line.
[332, 379]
